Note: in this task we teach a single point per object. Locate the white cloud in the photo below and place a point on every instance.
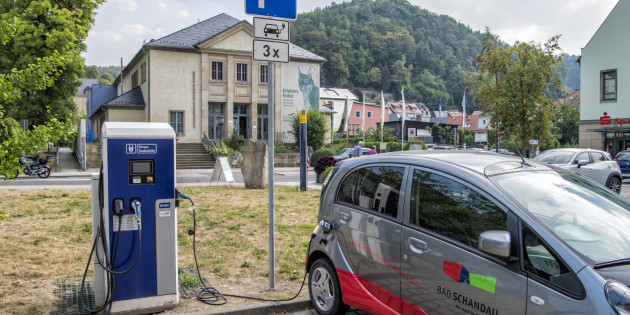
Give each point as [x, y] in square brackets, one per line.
[183, 13]
[126, 5]
[163, 6]
[141, 30]
[106, 36]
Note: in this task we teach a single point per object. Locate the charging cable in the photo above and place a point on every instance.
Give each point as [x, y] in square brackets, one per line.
[211, 295]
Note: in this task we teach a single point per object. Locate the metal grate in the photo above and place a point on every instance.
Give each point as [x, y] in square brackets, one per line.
[68, 298]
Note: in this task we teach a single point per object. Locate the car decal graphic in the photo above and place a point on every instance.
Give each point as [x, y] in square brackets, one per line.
[460, 274]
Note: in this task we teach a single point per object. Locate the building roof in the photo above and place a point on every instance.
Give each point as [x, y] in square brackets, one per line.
[85, 83]
[131, 98]
[572, 99]
[336, 94]
[410, 108]
[189, 38]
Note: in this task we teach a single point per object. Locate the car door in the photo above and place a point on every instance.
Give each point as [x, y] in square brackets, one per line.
[584, 170]
[367, 206]
[601, 167]
[552, 288]
[443, 271]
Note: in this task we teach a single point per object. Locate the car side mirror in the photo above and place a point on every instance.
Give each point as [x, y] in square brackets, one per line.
[581, 163]
[495, 243]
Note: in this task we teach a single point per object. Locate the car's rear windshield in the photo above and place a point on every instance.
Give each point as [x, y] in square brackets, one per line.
[588, 217]
[624, 156]
[555, 157]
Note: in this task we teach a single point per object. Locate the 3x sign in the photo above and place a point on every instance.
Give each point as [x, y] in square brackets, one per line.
[267, 50]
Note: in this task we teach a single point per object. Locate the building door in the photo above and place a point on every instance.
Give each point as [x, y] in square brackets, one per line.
[216, 121]
[263, 122]
[241, 120]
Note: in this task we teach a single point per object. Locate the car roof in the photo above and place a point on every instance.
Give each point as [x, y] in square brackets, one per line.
[485, 163]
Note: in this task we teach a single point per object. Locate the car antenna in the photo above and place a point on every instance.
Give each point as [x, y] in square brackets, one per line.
[523, 163]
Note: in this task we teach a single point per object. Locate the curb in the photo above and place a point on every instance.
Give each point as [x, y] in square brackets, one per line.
[299, 304]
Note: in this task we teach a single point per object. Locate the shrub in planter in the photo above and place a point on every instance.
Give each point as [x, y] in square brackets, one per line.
[317, 154]
[326, 172]
[323, 163]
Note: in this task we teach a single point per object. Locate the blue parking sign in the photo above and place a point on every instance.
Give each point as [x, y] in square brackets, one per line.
[284, 9]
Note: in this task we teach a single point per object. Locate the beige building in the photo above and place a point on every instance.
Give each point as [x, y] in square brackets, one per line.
[203, 80]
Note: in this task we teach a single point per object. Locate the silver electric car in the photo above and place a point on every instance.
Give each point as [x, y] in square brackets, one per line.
[445, 232]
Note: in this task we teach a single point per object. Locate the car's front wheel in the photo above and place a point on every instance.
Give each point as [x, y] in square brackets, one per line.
[614, 184]
[324, 288]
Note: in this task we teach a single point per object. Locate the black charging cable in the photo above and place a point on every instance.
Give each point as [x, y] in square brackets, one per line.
[109, 268]
[211, 295]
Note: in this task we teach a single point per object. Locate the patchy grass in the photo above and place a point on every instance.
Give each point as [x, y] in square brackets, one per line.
[47, 235]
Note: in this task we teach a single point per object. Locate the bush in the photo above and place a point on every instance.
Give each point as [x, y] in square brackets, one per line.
[323, 163]
[326, 172]
[236, 142]
[317, 154]
[315, 129]
[286, 148]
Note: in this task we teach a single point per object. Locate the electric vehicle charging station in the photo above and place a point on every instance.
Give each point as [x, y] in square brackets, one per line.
[135, 264]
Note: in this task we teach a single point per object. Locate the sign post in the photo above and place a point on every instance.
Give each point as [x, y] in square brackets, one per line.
[303, 142]
[271, 43]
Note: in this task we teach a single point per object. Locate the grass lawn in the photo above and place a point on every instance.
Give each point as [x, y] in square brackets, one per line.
[46, 236]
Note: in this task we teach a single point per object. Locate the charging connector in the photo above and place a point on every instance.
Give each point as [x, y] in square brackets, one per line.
[119, 208]
[137, 209]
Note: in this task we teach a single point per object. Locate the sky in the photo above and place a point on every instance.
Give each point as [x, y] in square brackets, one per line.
[121, 26]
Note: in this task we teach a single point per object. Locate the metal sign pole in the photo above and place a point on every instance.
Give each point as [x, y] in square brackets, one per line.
[272, 221]
[303, 144]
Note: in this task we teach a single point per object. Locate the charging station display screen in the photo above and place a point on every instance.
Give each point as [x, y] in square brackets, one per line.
[141, 172]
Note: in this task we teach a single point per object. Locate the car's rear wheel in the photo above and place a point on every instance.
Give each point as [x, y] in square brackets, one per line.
[614, 184]
[324, 288]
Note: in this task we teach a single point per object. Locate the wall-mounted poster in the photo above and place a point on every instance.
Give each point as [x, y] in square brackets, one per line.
[300, 90]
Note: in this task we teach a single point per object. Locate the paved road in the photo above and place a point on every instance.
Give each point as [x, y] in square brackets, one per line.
[69, 176]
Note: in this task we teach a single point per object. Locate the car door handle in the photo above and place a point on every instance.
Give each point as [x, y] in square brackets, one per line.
[417, 246]
[345, 216]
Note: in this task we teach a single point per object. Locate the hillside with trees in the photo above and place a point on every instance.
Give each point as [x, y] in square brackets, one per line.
[387, 44]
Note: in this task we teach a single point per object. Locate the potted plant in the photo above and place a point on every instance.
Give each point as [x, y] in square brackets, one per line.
[321, 165]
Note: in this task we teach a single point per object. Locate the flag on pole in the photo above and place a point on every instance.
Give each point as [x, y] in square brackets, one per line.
[402, 138]
[464, 113]
[440, 110]
[382, 114]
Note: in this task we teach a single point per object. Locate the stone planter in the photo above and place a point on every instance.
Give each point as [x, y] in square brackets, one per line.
[318, 178]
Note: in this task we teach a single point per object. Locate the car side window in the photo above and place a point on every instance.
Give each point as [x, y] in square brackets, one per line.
[452, 209]
[346, 190]
[373, 188]
[598, 157]
[582, 157]
[540, 261]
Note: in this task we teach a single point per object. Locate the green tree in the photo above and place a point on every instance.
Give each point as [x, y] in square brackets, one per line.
[511, 86]
[566, 129]
[26, 80]
[92, 72]
[315, 129]
[340, 73]
[50, 27]
[106, 78]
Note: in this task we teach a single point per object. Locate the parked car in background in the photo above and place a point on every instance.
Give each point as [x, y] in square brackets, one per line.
[443, 147]
[623, 160]
[506, 152]
[347, 153]
[594, 164]
[458, 232]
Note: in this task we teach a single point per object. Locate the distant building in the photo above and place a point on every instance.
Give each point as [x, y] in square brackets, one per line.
[605, 84]
[572, 99]
[80, 97]
[335, 99]
[371, 113]
[202, 80]
[412, 111]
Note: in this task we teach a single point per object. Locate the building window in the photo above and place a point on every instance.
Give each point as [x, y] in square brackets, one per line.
[241, 72]
[357, 114]
[143, 72]
[217, 71]
[134, 80]
[609, 85]
[216, 121]
[264, 74]
[369, 114]
[176, 120]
